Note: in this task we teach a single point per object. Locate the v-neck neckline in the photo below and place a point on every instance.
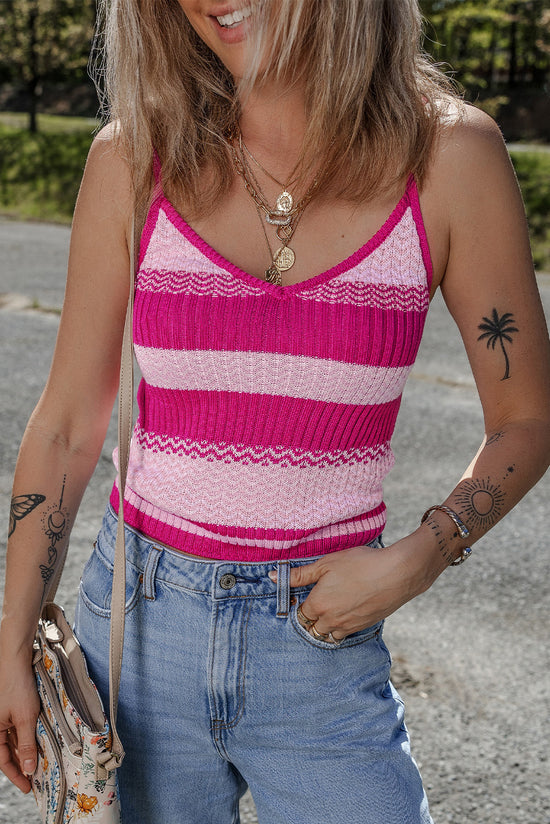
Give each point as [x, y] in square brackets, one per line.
[345, 265]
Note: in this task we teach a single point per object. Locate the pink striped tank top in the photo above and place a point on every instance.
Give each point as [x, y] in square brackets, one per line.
[266, 412]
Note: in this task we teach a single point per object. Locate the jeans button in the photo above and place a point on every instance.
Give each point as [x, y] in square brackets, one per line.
[228, 581]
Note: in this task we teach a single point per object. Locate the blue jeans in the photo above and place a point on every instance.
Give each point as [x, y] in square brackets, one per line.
[222, 689]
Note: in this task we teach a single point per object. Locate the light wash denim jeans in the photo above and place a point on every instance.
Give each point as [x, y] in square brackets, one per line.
[222, 689]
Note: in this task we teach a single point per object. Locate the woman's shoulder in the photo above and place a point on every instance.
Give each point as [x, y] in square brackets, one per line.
[469, 158]
[107, 180]
[469, 143]
[107, 153]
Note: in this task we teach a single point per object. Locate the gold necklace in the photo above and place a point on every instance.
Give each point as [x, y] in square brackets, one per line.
[285, 208]
[285, 200]
[285, 218]
[281, 260]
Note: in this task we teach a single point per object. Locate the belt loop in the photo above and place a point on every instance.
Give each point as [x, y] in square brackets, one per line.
[283, 588]
[149, 573]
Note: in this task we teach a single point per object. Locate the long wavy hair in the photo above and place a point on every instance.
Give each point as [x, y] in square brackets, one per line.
[374, 100]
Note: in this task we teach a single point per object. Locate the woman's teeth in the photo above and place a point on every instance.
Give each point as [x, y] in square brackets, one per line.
[234, 18]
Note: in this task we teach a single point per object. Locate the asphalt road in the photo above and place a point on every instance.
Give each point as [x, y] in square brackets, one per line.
[471, 656]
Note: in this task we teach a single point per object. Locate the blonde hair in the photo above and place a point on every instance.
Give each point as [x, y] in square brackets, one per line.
[374, 100]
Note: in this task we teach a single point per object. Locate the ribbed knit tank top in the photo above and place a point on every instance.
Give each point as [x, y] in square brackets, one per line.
[266, 412]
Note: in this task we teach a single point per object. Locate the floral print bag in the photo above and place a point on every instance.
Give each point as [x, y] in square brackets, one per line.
[75, 779]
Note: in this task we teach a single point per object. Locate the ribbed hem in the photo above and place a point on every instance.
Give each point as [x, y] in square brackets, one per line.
[346, 535]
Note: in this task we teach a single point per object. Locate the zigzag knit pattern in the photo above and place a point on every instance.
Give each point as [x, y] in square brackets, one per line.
[266, 412]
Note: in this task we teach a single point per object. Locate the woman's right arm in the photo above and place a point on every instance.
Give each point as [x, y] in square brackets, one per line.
[64, 436]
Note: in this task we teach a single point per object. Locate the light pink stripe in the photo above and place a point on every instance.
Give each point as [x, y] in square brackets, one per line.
[229, 493]
[393, 261]
[167, 247]
[295, 376]
[422, 235]
[256, 454]
[397, 262]
[359, 291]
[195, 280]
[364, 251]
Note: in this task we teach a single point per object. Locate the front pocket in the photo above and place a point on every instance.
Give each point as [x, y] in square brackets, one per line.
[350, 641]
[97, 582]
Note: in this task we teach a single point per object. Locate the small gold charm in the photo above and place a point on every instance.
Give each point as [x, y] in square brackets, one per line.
[285, 202]
[284, 232]
[273, 275]
[284, 258]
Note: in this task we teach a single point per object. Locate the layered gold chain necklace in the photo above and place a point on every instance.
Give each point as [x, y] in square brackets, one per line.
[285, 216]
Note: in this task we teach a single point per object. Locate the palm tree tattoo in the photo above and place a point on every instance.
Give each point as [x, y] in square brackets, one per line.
[499, 329]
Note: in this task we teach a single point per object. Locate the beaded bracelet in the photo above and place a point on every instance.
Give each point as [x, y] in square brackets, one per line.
[463, 530]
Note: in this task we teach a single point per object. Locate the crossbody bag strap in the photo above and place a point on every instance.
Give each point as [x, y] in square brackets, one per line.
[118, 597]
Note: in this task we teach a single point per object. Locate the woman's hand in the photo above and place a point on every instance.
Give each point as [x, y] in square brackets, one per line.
[356, 588]
[19, 708]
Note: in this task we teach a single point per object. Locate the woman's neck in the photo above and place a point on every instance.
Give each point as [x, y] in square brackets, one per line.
[273, 124]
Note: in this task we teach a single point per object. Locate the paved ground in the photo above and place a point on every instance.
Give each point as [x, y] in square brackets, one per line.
[471, 657]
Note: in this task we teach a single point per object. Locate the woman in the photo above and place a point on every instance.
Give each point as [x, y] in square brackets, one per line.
[305, 181]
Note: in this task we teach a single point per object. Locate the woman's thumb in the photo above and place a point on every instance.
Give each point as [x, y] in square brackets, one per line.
[301, 576]
[26, 746]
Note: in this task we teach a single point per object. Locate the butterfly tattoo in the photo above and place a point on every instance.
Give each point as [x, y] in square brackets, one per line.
[21, 506]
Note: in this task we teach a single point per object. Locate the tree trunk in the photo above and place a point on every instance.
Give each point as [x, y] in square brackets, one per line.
[513, 50]
[32, 85]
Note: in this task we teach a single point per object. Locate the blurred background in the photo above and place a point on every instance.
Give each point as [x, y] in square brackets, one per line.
[498, 51]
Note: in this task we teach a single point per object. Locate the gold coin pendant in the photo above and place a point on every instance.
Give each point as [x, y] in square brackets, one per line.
[284, 258]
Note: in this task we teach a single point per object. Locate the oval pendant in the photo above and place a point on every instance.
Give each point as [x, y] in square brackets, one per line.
[285, 202]
[284, 258]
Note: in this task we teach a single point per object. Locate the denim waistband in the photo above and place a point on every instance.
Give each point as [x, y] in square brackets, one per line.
[217, 578]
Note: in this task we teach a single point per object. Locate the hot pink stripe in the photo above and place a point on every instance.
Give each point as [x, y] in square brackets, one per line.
[346, 333]
[264, 420]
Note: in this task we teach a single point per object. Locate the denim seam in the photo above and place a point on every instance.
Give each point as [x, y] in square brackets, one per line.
[218, 723]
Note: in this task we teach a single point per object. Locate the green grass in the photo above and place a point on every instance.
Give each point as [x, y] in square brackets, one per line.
[533, 171]
[40, 174]
[49, 122]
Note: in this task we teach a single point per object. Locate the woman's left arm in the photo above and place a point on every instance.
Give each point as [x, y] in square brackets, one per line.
[490, 289]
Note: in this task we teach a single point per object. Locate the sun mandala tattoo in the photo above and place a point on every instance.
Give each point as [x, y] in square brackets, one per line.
[481, 502]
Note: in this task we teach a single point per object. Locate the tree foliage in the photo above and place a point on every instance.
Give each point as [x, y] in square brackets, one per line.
[44, 41]
[491, 44]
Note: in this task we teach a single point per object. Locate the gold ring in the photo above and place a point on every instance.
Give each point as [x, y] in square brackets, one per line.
[316, 634]
[333, 640]
[307, 621]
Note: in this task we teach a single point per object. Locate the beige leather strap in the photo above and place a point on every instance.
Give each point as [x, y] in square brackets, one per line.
[118, 597]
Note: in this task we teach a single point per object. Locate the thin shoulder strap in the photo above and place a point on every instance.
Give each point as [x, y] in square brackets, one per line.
[118, 597]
